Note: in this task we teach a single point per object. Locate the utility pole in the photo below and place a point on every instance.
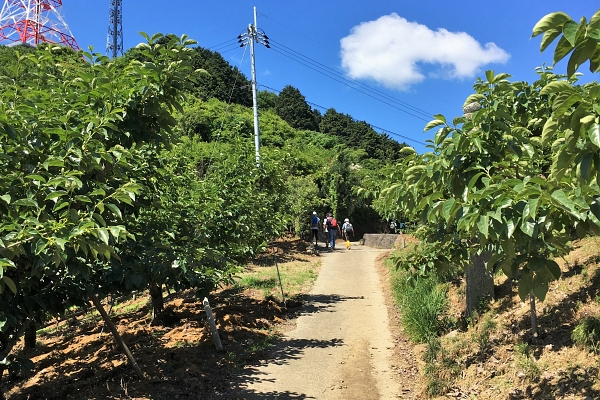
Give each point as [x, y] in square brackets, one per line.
[254, 35]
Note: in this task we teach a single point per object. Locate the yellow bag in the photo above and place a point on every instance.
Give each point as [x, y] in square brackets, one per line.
[347, 245]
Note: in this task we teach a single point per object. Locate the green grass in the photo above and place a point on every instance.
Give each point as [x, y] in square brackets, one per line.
[295, 278]
[423, 306]
[587, 334]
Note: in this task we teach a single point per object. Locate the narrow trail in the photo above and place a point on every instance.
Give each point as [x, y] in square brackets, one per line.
[341, 347]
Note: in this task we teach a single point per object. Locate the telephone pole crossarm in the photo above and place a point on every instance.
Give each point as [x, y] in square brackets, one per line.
[251, 36]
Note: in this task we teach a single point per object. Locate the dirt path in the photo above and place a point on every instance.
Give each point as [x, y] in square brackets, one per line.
[342, 347]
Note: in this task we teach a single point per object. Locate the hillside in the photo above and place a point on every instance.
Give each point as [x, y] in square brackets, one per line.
[494, 356]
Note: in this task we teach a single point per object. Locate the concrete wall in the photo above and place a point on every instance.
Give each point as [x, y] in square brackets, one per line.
[380, 240]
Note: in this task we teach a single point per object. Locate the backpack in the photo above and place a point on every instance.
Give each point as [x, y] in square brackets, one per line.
[349, 227]
[332, 222]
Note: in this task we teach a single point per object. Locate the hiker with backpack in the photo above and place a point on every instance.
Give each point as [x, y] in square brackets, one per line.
[315, 227]
[332, 227]
[347, 230]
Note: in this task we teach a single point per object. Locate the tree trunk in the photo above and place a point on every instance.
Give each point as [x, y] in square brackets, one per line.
[533, 315]
[480, 283]
[158, 305]
[30, 335]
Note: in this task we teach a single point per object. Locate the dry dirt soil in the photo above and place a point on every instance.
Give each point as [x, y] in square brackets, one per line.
[78, 359]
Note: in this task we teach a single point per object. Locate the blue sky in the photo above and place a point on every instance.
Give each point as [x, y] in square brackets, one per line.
[424, 54]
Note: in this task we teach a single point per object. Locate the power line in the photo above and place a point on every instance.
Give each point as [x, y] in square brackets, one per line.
[302, 33]
[371, 125]
[354, 81]
[337, 79]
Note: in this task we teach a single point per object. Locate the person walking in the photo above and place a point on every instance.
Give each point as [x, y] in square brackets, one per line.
[325, 233]
[347, 232]
[315, 227]
[332, 227]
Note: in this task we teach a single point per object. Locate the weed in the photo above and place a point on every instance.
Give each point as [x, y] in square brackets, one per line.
[587, 334]
[264, 344]
[442, 368]
[526, 362]
[482, 336]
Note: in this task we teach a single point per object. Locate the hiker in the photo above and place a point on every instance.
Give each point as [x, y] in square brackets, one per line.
[393, 226]
[325, 232]
[315, 227]
[347, 230]
[332, 227]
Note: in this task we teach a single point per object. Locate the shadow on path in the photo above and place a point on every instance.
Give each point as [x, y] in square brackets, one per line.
[286, 350]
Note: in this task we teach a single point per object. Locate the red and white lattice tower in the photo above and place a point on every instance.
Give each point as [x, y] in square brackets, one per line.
[34, 22]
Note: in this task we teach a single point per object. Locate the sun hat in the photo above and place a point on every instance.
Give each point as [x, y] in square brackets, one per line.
[314, 213]
[346, 220]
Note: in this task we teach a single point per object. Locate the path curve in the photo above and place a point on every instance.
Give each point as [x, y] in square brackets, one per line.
[341, 347]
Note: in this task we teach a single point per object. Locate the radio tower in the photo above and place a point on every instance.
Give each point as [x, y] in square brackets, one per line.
[114, 44]
[34, 22]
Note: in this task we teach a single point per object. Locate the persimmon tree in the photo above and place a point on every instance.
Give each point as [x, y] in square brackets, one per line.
[72, 136]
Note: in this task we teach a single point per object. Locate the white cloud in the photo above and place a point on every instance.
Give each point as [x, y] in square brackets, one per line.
[393, 51]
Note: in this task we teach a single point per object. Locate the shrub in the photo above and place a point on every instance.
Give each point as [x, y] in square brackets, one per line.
[587, 334]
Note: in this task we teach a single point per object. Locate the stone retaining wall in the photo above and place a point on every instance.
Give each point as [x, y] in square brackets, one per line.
[380, 240]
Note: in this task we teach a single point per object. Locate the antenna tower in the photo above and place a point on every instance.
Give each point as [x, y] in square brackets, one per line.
[114, 43]
[34, 22]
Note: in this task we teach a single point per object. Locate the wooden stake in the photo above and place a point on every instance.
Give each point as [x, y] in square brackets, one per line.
[213, 326]
[115, 333]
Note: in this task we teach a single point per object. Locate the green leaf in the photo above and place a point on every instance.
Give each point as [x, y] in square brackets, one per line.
[483, 224]
[493, 260]
[56, 194]
[581, 54]
[6, 198]
[554, 268]
[550, 128]
[114, 209]
[528, 226]
[563, 200]
[536, 263]
[447, 208]
[562, 49]
[594, 134]
[540, 285]
[557, 86]
[561, 108]
[595, 60]
[550, 21]
[433, 124]
[440, 117]
[26, 203]
[10, 283]
[525, 285]
[570, 31]
[35, 177]
[474, 98]
[595, 20]
[510, 228]
[585, 165]
[103, 235]
[548, 38]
